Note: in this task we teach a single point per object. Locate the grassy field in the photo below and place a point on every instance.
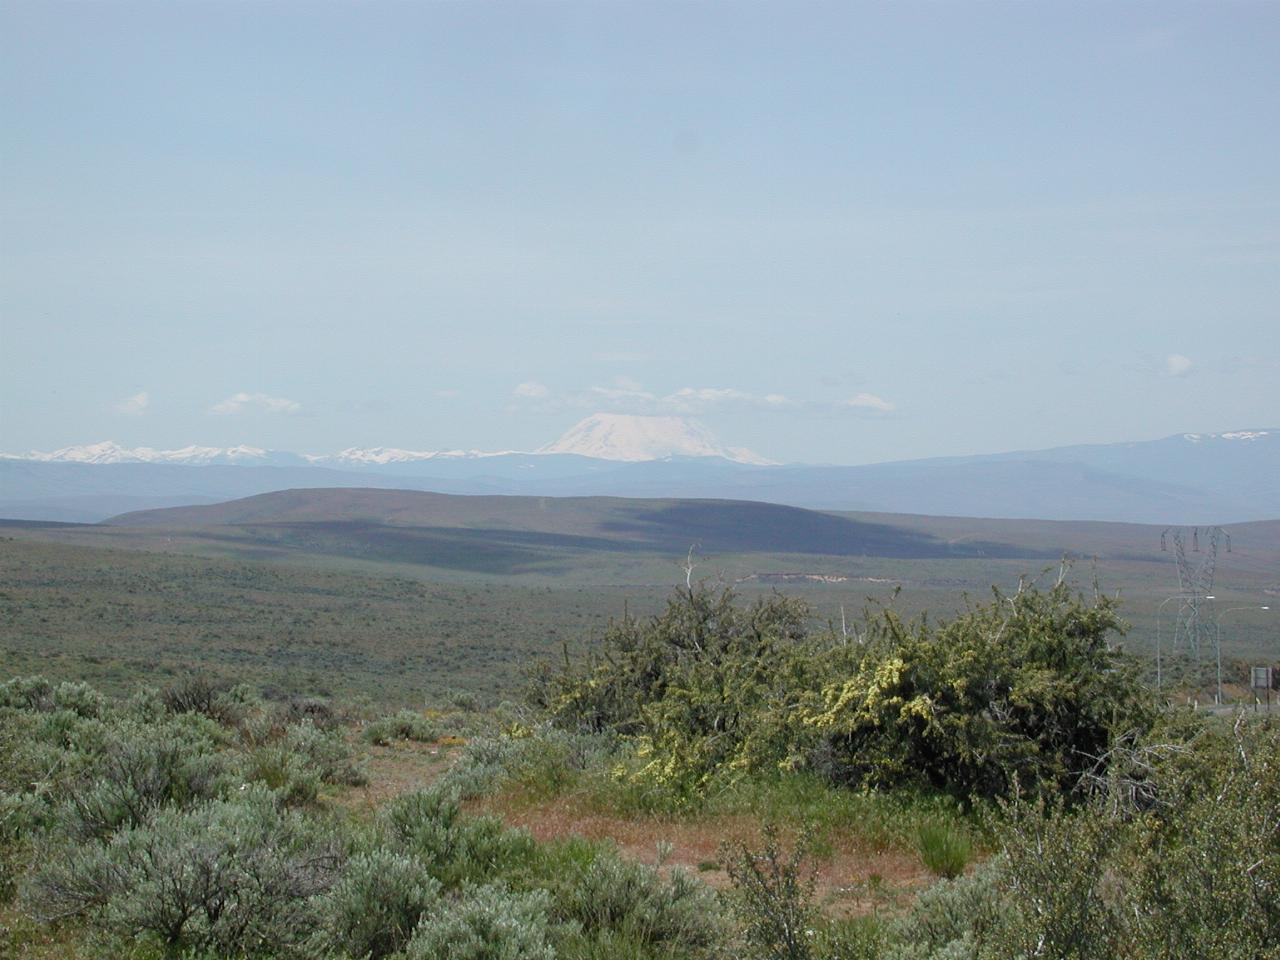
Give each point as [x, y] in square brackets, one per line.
[116, 617]
[305, 607]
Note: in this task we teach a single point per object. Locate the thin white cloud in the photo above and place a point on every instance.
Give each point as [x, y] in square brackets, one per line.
[869, 401]
[242, 402]
[531, 390]
[627, 396]
[701, 397]
[134, 406]
[616, 395]
[1176, 365]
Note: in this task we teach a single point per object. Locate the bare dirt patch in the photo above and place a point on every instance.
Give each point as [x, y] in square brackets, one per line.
[397, 768]
[852, 880]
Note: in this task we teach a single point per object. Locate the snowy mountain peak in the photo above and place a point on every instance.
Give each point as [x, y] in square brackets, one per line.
[616, 436]
[1233, 435]
[381, 456]
[110, 452]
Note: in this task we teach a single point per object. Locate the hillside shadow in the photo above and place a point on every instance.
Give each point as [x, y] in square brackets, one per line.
[768, 528]
[496, 552]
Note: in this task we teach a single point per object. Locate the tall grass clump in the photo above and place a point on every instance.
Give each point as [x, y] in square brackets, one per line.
[944, 848]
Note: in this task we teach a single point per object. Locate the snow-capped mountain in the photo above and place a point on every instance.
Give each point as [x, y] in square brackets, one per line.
[381, 456]
[615, 436]
[1223, 477]
[601, 436]
[1234, 435]
[193, 456]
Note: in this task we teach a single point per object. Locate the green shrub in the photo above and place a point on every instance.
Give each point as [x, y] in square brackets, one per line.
[488, 923]
[283, 771]
[464, 700]
[27, 693]
[851, 938]
[1058, 869]
[774, 895]
[456, 850]
[321, 714]
[216, 699]
[637, 903]
[16, 819]
[324, 751]
[303, 758]
[1027, 688]
[1176, 855]
[402, 725]
[966, 919]
[542, 762]
[140, 769]
[230, 875]
[376, 906]
[943, 848]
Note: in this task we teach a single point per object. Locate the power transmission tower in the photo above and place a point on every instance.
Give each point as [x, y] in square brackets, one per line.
[1195, 626]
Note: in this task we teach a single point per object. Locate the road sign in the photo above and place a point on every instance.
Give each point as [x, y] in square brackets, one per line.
[1260, 678]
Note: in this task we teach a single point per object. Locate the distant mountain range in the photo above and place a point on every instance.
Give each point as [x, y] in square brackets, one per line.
[602, 436]
[1188, 478]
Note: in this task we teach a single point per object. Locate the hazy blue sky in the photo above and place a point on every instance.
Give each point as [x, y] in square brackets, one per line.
[832, 232]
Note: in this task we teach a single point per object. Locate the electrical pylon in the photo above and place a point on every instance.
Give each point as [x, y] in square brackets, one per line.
[1195, 628]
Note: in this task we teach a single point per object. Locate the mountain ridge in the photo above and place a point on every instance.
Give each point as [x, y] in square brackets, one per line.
[1185, 478]
[588, 438]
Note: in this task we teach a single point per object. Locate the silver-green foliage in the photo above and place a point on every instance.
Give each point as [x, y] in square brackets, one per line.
[324, 751]
[1177, 856]
[488, 923]
[774, 895]
[376, 906]
[428, 824]
[227, 875]
[40, 695]
[966, 918]
[636, 902]
[544, 759]
[402, 725]
[140, 768]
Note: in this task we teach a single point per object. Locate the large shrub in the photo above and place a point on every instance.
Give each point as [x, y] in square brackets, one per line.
[488, 923]
[1023, 692]
[237, 876]
[139, 769]
[637, 903]
[1176, 855]
[428, 824]
[376, 906]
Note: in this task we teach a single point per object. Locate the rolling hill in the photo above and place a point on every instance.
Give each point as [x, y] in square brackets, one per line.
[427, 527]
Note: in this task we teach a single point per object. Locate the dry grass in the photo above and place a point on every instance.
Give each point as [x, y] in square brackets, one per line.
[397, 768]
[851, 880]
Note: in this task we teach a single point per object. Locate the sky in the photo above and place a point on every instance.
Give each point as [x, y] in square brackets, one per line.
[837, 233]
